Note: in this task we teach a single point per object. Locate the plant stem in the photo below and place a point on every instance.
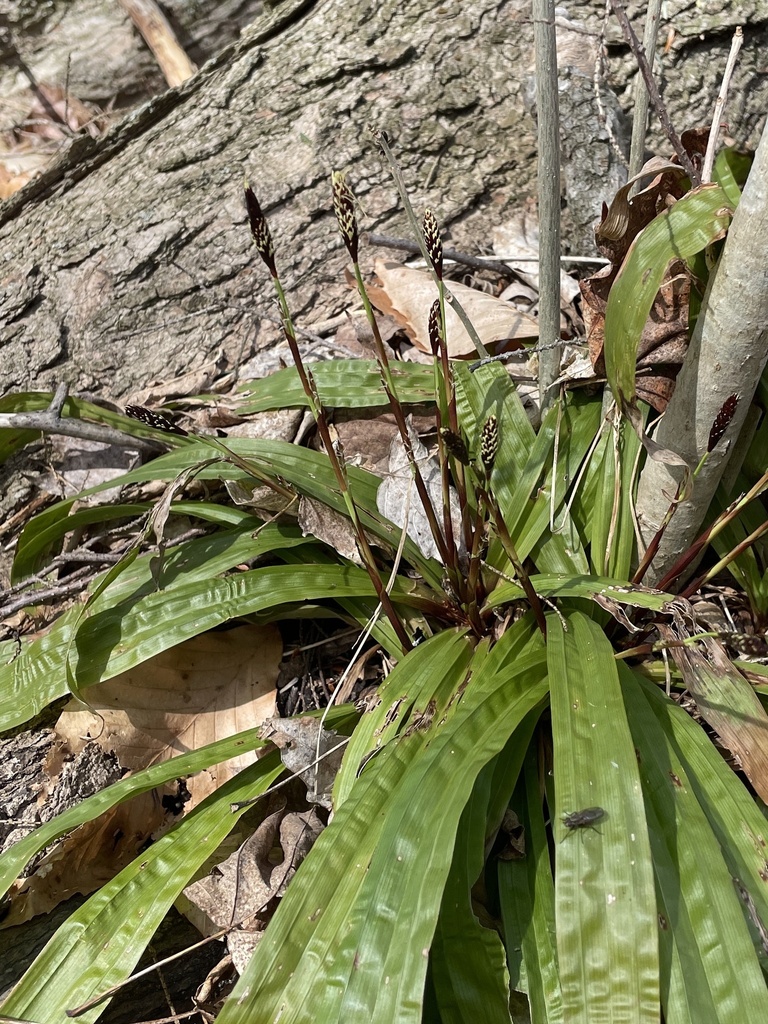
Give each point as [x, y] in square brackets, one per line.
[318, 412]
[451, 299]
[444, 546]
[509, 548]
[548, 116]
[640, 111]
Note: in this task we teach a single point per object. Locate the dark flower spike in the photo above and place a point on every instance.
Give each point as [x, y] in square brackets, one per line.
[158, 420]
[435, 331]
[722, 420]
[455, 445]
[433, 243]
[260, 230]
[489, 443]
[344, 208]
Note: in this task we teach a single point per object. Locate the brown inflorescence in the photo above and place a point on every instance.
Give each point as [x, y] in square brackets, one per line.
[344, 208]
[260, 230]
[723, 418]
[433, 242]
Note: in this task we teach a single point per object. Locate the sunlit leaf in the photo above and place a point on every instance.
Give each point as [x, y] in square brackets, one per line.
[680, 232]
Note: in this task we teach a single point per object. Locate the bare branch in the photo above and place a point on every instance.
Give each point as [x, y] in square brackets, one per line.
[653, 91]
[51, 422]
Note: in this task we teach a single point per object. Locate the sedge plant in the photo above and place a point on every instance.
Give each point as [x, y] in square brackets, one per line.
[525, 825]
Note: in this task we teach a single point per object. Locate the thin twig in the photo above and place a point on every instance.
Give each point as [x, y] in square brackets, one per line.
[523, 353]
[722, 96]
[406, 245]
[653, 92]
[72, 586]
[498, 263]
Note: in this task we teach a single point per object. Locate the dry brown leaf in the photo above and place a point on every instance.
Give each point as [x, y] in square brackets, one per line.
[726, 701]
[331, 527]
[243, 889]
[408, 294]
[211, 686]
[398, 499]
[664, 340]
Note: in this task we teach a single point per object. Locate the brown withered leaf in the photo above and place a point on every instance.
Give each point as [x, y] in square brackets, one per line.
[408, 294]
[331, 527]
[664, 340]
[214, 685]
[726, 701]
[244, 888]
[211, 686]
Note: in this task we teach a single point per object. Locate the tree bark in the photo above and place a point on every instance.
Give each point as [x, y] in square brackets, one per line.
[131, 260]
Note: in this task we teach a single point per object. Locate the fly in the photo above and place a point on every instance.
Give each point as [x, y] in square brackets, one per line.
[587, 818]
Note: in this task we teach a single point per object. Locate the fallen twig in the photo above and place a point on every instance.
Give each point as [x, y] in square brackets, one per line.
[51, 422]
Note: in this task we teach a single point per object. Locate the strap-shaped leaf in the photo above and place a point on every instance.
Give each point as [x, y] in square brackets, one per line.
[606, 906]
[527, 897]
[32, 679]
[341, 383]
[349, 941]
[468, 960]
[735, 817]
[709, 968]
[100, 943]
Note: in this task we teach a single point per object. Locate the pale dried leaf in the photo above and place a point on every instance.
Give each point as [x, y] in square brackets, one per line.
[519, 237]
[211, 686]
[398, 499]
[727, 702]
[408, 294]
[331, 527]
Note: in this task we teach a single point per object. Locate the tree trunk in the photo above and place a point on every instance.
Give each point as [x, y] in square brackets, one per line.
[727, 354]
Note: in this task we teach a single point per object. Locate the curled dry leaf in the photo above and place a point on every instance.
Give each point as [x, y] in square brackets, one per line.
[243, 889]
[300, 742]
[408, 294]
[331, 527]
